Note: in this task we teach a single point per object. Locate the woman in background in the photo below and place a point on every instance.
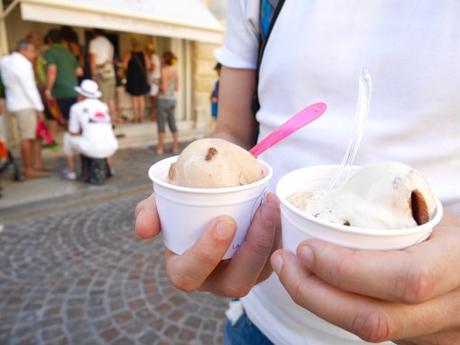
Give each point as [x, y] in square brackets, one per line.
[136, 64]
[167, 102]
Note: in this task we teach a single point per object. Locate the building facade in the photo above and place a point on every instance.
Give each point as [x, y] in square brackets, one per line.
[192, 29]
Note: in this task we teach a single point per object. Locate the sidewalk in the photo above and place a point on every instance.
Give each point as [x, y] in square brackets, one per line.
[39, 195]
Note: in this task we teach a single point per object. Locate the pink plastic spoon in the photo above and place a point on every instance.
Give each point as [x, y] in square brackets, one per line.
[302, 118]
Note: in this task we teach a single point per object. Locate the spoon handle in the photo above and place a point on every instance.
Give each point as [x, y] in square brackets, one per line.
[362, 112]
[302, 118]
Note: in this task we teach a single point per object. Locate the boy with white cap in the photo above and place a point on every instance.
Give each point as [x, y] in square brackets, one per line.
[90, 128]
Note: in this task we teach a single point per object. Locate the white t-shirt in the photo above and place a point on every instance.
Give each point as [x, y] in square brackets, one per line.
[91, 117]
[315, 53]
[156, 73]
[102, 48]
[19, 80]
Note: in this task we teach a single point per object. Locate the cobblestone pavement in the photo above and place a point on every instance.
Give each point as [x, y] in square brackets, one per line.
[81, 276]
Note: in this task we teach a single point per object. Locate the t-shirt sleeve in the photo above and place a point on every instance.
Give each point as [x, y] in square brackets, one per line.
[50, 58]
[74, 125]
[241, 37]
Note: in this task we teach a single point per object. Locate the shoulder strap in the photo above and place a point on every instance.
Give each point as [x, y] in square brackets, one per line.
[268, 14]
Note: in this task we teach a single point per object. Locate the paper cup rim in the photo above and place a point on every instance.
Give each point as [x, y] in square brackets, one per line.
[196, 190]
[353, 229]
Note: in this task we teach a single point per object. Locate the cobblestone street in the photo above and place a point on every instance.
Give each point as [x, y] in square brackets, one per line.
[81, 276]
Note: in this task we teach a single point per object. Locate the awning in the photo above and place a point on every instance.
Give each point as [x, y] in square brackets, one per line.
[187, 19]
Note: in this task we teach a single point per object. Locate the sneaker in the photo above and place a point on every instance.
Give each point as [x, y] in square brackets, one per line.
[69, 175]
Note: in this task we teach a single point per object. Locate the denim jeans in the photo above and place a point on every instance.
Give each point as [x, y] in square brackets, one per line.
[244, 332]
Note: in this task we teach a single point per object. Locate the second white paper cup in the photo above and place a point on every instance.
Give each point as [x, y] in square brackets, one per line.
[298, 226]
[186, 212]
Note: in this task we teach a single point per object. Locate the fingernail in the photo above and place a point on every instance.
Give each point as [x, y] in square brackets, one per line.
[277, 263]
[272, 199]
[306, 255]
[224, 230]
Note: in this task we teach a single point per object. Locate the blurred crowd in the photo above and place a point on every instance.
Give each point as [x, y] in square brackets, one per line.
[57, 81]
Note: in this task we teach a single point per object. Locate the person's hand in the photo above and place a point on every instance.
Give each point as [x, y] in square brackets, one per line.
[201, 268]
[410, 296]
[40, 116]
[48, 94]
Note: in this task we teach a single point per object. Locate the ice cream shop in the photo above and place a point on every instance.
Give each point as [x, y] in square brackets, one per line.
[189, 28]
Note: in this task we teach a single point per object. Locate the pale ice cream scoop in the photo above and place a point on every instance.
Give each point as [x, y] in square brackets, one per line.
[214, 163]
[381, 196]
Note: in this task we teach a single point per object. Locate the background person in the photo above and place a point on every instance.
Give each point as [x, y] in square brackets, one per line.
[215, 95]
[40, 70]
[408, 296]
[24, 105]
[90, 128]
[101, 55]
[136, 63]
[167, 102]
[71, 42]
[62, 72]
[155, 78]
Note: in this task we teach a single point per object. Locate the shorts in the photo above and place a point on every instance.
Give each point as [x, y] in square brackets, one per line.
[25, 124]
[107, 88]
[75, 144]
[166, 108]
[65, 104]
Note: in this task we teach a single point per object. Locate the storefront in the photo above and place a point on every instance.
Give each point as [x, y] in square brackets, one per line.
[186, 27]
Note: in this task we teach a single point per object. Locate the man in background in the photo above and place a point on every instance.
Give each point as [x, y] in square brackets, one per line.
[101, 54]
[24, 105]
[90, 129]
[62, 72]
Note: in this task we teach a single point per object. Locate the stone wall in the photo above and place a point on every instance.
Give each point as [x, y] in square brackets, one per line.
[204, 77]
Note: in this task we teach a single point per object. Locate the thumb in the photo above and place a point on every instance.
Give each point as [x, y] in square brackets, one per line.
[147, 220]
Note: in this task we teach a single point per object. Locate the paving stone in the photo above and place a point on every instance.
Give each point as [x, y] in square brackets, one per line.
[148, 338]
[67, 282]
[133, 327]
[110, 334]
[124, 341]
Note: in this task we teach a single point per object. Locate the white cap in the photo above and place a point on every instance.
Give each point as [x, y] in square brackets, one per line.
[88, 88]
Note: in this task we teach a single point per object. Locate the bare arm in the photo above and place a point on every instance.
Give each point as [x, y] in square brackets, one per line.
[50, 79]
[126, 59]
[148, 63]
[92, 64]
[236, 122]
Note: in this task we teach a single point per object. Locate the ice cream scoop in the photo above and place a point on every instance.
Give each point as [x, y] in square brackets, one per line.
[381, 196]
[214, 163]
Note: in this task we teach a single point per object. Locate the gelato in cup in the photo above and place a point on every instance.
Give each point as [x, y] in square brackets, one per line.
[382, 207]
[298, 224]
[185, 212]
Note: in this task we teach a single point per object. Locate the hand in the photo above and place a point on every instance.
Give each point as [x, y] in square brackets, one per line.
[410, 296]
[40, 116]
[201, 268]
[48, 94]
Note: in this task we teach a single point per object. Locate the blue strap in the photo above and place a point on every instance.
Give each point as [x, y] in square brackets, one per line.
[265, 17]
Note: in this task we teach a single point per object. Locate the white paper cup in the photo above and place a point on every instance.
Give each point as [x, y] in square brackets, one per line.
[186, 212]
[298, 226]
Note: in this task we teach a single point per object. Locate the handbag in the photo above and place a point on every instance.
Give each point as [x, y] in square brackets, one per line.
[43, 134]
